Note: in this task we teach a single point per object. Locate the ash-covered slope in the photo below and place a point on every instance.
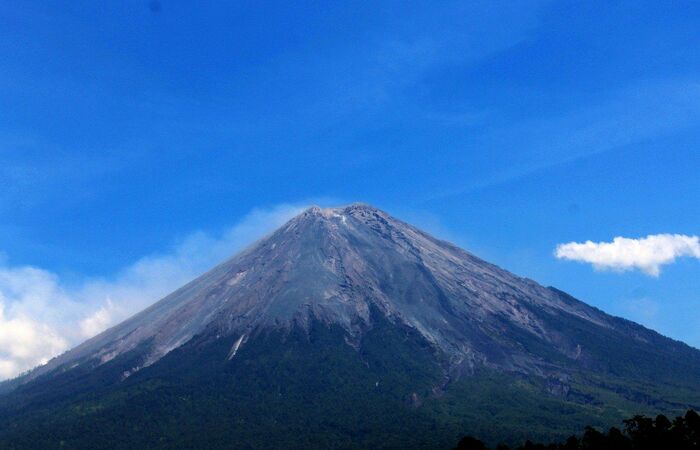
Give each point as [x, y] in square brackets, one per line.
[336, 265]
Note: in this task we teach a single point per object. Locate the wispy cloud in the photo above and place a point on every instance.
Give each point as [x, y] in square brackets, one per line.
[622, 254]
[625, 117]
[42, 316]
[643, 310]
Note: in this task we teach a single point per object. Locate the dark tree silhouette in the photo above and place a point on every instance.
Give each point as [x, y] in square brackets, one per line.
[640, 433]
[470, 443]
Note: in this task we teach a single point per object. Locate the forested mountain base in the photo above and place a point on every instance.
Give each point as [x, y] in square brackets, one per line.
[302, 389]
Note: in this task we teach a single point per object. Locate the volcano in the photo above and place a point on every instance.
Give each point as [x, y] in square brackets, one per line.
[348, 328]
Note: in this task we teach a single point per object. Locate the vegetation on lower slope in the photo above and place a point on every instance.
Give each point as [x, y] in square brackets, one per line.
[280, 390]
[304, 389]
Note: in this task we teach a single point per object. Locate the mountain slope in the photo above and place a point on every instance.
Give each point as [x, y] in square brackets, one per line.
[357, 328]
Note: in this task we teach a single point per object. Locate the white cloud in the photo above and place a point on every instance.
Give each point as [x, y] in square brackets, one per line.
[646, 254]
[25, 343]
[42, 316]
[100, 319]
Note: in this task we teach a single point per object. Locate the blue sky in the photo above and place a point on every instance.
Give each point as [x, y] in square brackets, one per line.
[131, 130]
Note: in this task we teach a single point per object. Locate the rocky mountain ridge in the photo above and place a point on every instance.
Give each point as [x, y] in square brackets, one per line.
[336, 265]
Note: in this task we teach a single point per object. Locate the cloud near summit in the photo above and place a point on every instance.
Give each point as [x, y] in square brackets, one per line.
[42, 315]
[623, 254]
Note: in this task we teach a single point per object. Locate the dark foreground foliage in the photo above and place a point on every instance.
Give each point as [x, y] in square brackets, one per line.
[639, 433]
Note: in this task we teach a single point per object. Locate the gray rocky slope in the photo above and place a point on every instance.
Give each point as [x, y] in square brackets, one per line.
[337, 265]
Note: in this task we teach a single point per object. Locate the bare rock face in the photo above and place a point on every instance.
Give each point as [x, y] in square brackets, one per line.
[337, 266]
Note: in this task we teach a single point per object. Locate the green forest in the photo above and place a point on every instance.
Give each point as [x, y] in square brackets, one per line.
[302, 390]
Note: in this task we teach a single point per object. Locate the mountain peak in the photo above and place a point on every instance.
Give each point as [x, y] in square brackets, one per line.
[352, 208]
[337, 265]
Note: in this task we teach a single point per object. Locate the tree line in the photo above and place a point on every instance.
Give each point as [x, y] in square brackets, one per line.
[638, 433]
